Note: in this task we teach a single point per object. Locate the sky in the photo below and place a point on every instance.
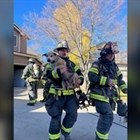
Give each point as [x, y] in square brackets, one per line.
[23, 7]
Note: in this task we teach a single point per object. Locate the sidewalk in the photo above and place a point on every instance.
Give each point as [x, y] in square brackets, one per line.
[32, 122]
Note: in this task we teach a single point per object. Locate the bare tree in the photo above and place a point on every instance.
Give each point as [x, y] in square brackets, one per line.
[70, 19]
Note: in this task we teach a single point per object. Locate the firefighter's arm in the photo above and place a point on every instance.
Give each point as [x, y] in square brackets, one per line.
[95, 77]
[50, 73]
[25, 73]
[121, 83]
[81, 77]
[46, 69]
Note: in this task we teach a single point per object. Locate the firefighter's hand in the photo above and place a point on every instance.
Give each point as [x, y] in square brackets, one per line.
[64, 69]
[111, 83]
[78, 82]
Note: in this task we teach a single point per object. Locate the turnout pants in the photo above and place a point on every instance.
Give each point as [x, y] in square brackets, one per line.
[54, 108]
[105, 120]
[32, 90]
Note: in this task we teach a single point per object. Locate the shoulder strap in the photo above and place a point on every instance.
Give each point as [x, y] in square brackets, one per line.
[101, 68]
[70, 65]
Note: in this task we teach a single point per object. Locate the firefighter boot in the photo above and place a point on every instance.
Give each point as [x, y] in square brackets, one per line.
[97, 138]
[30, 104]
[67, 137]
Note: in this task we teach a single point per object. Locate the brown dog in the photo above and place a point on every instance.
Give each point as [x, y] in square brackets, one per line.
[69, 78]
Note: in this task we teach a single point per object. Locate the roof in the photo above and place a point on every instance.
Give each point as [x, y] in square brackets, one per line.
[21, 31]
[28, 55]
[29, 51]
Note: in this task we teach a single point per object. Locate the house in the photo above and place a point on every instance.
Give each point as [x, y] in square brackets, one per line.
[21, 55]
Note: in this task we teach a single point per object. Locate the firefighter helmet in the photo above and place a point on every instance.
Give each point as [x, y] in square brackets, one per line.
[62, 45]
[109, 48]
[31, 60]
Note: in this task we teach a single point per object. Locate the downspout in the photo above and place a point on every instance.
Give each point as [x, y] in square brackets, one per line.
[19, 44]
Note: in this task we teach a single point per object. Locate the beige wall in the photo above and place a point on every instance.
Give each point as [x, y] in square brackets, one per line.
[23, 44]
[22, 60]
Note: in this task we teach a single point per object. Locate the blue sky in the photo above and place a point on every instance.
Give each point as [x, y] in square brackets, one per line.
[22, 7]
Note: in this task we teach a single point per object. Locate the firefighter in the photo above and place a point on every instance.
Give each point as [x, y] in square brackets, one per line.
[60, 100]
[31, 76]
[103, 75]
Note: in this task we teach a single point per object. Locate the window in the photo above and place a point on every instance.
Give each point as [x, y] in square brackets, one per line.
[15, 41]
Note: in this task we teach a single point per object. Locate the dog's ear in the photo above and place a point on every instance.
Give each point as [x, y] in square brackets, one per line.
[45, 54]
[54, 53]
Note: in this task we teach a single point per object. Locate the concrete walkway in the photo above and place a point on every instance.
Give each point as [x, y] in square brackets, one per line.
[32, 122]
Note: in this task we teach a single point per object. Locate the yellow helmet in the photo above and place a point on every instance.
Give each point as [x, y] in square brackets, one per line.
[31, 60]
[62, 45]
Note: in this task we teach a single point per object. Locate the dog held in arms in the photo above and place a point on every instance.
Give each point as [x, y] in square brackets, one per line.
[68, 78]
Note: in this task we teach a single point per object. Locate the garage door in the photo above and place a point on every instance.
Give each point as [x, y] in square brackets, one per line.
[18, 82]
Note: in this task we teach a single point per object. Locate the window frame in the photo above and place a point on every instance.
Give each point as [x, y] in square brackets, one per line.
[15, 41]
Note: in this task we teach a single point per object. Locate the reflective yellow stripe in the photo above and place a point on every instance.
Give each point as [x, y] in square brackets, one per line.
[59, 45]
[52, 90]
[119, 73]
[65, 92]
[103, 80]
[102, 136]
[115, 98]
[54, 136]
[30, 72]
[115, 81]
[94, 70]
[81, 76]
[48, 66]
[29, 79]
[32, 101]
[55, 75]
[68, 130]
[76, 68]
[23, 77]
[123, 86]
[99, 97]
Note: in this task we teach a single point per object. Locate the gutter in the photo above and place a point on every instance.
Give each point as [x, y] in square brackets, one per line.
[27, 55]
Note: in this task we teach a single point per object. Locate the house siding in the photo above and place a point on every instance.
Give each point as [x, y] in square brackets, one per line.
[16, 48]
[21, 56]
[23, 44]
[20, 60]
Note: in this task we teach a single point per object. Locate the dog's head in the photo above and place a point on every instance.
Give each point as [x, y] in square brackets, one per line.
[51, 57]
